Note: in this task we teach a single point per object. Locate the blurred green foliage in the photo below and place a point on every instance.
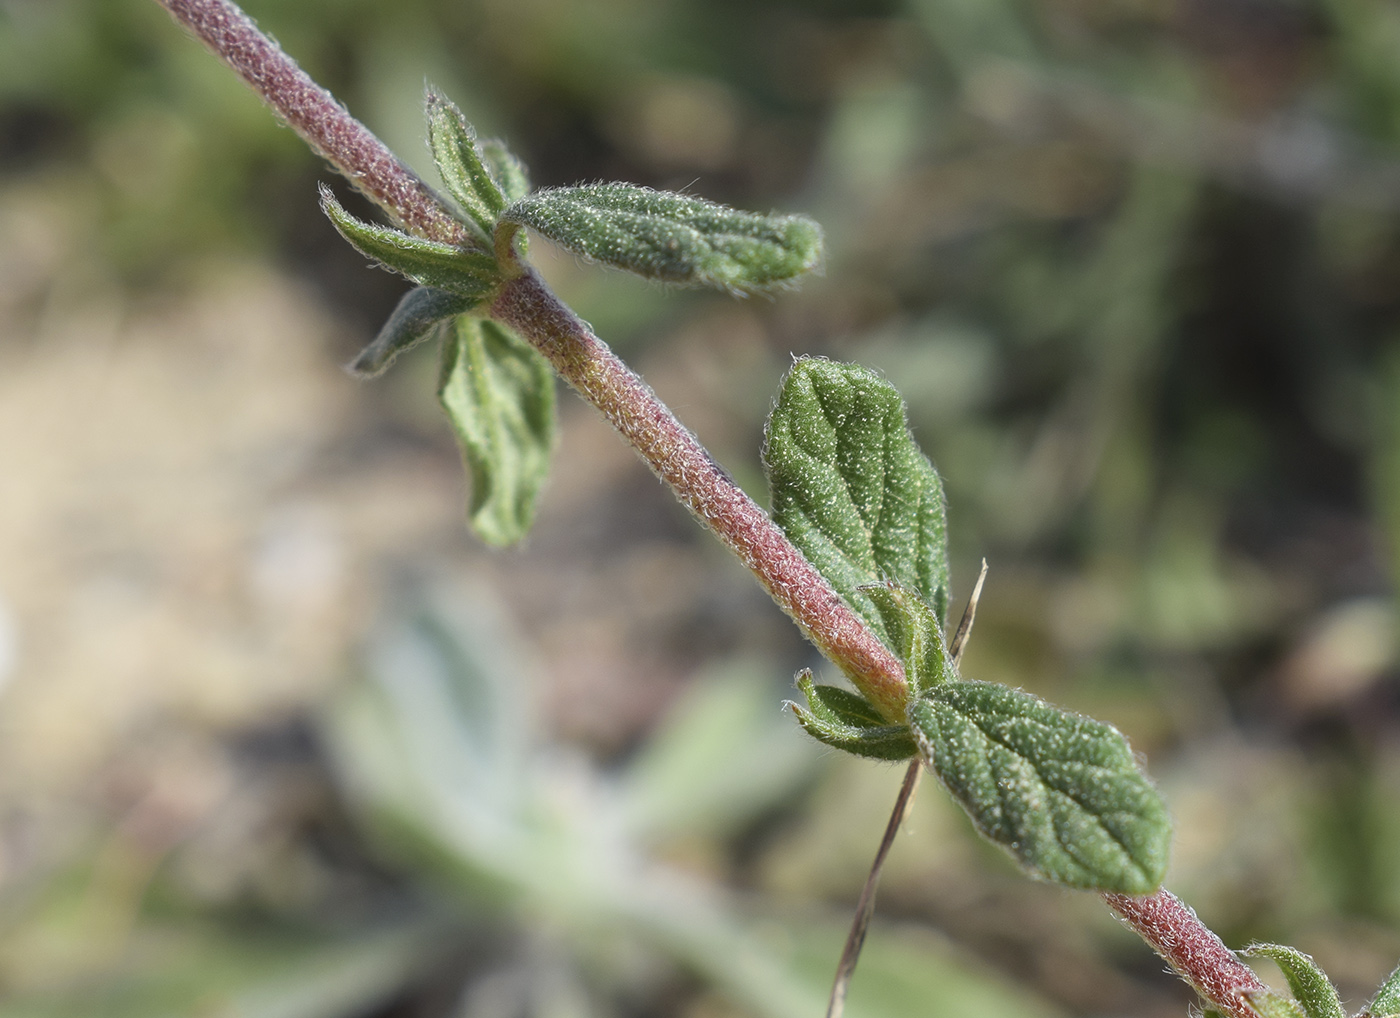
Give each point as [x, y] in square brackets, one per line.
[1135, 265]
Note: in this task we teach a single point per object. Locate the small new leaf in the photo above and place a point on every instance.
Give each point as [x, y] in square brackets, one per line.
[1387, 1001]
[499, 393]
[420, 311]
[672, 237]
[508, 171]
[845, 721]
[1268, 1004]
[1062, 793]
[915, 636]
[1310, 985]
[461, 164]
[852, 490]
[468, 273]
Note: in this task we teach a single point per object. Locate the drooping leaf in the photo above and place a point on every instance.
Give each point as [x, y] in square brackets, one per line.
[418, 313]
[1387, 1000]
[460, 163]
[499, 393]
[845, 721]
[1062, 793]
[672, 237]
[1310, 985]
[851, 489]
[914, 634]
[461, 271]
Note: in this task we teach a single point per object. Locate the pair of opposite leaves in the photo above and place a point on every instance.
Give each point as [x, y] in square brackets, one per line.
[849, 487]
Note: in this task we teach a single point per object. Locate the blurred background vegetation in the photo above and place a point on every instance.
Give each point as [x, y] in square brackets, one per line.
[277, 739]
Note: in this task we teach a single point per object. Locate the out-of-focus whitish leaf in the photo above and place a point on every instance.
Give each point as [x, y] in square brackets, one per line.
[722, 755]
[558, 847]
[197, 968]
[910, 972]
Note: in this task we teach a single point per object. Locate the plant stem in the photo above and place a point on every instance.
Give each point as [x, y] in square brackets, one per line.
[580, 357]
[1196, 953]
[314, 114]
[1192, 949]
[585, 362]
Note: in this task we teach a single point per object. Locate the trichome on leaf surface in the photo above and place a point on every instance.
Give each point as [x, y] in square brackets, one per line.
[856, 548]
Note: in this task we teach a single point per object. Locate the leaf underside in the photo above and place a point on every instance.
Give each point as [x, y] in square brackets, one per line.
[499, 394]
[673, 237]
[417, 315]
[851, 489]
[1062, 793]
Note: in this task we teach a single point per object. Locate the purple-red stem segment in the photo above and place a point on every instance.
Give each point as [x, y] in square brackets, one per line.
[315, 114]
[1192, 949]
[526, 304]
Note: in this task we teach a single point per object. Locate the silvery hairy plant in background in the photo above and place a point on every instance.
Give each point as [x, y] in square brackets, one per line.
[856, 548]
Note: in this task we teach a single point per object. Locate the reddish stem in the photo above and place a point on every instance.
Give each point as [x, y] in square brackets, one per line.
[1192, 949]
[678, 458]
[315, 115]
[1196, 953]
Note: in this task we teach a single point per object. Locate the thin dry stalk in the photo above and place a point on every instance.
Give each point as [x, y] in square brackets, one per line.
[865, 907]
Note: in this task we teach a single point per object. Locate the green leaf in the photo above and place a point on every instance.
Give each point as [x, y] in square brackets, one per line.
[462, 271]
[672, 237]
[460, 163]
[499, 393]
[915, 636]
[851, 489]
[1269, 1004]
[1387, 1002]
[508, 171]
[1062, 793]
[1310, 985]
[420, 311]
[845, 721]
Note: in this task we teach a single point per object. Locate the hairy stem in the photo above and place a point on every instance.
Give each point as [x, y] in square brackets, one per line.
[585, 362]
[1192, 949]
[314, 114]
[1170, 927]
